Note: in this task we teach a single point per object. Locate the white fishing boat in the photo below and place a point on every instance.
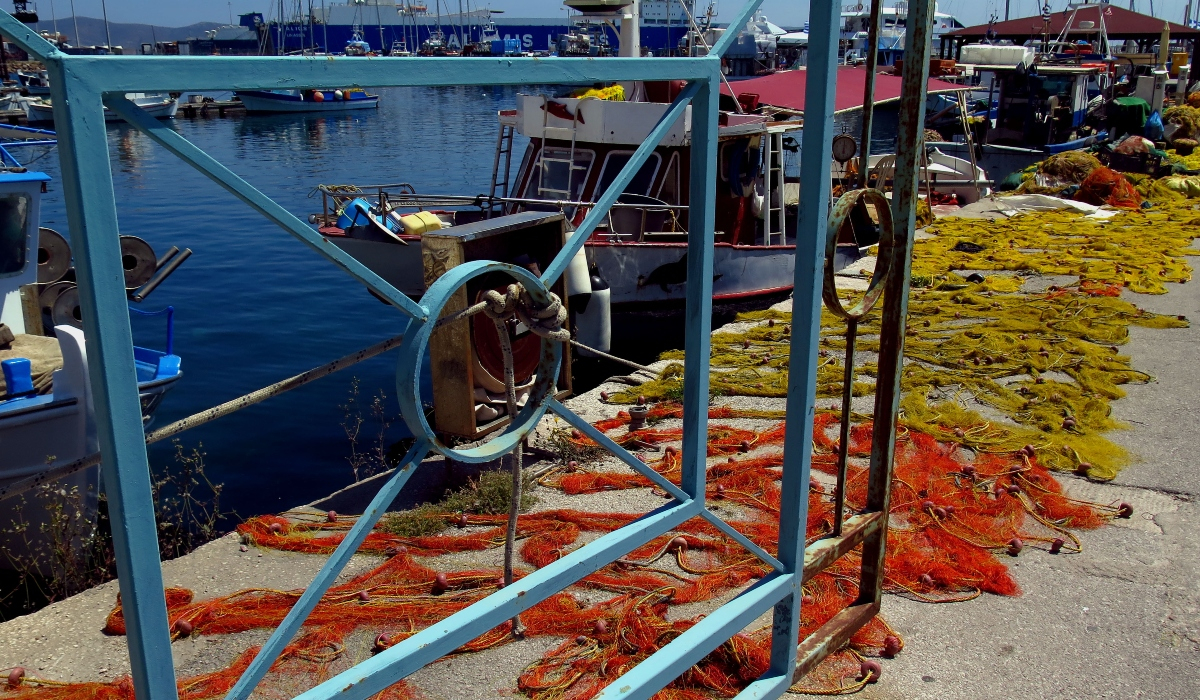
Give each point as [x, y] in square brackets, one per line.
[46, 413]
[159, 106]
[323, 100]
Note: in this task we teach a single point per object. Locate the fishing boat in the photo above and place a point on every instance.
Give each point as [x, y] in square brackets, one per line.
[158, 106]
[46, 412]
[856, 25]
[324, 100]
[34, 83]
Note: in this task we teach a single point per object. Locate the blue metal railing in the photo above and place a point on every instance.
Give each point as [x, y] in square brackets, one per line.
[82, 86]
[170, 313]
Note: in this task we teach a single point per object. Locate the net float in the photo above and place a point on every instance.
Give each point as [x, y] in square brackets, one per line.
[753, 356]
[461, 521]
[669, 450]
[572, 465]
[676, 544]
[744, 446]
[183, 627]
[891, 646]
[1030, 451]
[641, 400]
[604, 396]
[331, 517]
[1068, 423]
[771, 322]
[787, 328]
[939, 513]
[1125, 511]
[1014, 489]
[1057, 545]
[731, 460]
[999, 490]
[276, 528]
[600, 627]
[759, 385]
[581, 640]
[1039, 380]
[870, 671]
[949, 510]
[364, 596]
[243, 548]
[808, 600]
[1015, 545]
[500, 582]
[745, 344]
[969, 470]
[719, 492]
[576, 435]
[960, 433]
[1083, 468]
[441, 582]
[927, 505]
[926, 580]
[382, 642]
[16, 676]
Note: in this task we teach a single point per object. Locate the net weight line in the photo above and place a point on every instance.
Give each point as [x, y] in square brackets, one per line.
[197, 419]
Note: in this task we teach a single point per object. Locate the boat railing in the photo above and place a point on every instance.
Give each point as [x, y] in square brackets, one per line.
[169, 312]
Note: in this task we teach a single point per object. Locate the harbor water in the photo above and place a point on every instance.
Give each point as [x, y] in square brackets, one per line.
[254, 305]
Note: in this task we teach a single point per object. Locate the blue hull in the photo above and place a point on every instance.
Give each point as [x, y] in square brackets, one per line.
[540, 37]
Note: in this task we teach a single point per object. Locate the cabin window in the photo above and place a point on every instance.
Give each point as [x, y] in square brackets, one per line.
[14, 214]
[564, 175]
[641, 182]
[669, 190]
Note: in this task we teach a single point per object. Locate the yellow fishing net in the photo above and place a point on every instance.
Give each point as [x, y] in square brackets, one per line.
[997, 362]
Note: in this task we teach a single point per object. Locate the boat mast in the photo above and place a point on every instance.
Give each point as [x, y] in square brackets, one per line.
[107, 34]
[325, 26]
[78, 41]
[379, 21]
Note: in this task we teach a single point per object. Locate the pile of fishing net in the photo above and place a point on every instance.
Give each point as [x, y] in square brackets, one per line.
[1106, 186]
[1187, 117]
[954, 512]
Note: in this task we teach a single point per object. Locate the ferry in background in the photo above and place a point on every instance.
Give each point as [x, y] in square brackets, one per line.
[856, 23]
[384, 23]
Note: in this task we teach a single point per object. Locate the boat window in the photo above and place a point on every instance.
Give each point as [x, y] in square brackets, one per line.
[641, 182]
[558, 167]
[669, 190]
[14, 213]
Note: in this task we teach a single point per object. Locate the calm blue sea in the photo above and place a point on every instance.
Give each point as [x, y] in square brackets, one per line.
[253, 305]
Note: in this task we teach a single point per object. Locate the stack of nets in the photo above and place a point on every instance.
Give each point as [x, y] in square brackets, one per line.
[1105, 186]
[969, 492]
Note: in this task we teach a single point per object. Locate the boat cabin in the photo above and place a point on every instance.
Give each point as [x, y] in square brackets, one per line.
[1043, 105]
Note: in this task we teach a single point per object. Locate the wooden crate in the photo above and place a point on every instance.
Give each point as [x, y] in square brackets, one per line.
[526, 238]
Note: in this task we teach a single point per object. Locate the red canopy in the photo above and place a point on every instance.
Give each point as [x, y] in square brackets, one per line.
[786, 88]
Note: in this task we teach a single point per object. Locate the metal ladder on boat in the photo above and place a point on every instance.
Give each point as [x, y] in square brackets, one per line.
[773, 160]
[504, 146]
[1103, 29]
[544, 161]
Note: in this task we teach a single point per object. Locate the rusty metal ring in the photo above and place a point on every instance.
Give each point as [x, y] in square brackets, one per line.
[841, 212]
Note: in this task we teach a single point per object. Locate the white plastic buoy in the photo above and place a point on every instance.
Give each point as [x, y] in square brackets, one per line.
[577, 279]
[593, 320]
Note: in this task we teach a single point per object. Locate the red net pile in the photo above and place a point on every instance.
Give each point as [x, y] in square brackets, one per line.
[1105, 186]
[954, 515]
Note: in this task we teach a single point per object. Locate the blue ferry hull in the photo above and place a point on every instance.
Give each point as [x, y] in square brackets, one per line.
[533, 37]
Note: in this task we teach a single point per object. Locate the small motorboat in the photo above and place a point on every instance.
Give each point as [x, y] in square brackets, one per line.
[158, 105]
[319, 100]
[46, 412]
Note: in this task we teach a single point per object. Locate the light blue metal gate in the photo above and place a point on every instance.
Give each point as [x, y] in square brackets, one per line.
[83, 86]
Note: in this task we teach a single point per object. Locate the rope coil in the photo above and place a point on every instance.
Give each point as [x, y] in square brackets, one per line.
[546, 321]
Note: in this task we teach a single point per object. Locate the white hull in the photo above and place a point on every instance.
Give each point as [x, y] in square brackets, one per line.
[258, 104]
[41, 112]
[639, 275]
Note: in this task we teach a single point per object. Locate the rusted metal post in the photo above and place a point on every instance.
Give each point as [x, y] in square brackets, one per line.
[864, 147]
[895, 300]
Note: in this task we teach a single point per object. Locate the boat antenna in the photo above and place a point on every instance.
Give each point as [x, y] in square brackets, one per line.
[737, 106]
[379, 21]
[107, 35]
[54, 21]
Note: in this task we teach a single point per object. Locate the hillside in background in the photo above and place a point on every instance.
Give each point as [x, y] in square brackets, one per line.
[130, 36]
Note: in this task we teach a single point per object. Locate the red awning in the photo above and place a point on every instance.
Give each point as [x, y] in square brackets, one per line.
[786, 88]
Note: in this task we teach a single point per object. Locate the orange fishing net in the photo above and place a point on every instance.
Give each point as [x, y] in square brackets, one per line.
[1106, 186]
[952, 514]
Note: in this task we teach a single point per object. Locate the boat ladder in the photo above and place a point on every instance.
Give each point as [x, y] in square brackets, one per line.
[545, 161]
[773, 170]
[504, 146]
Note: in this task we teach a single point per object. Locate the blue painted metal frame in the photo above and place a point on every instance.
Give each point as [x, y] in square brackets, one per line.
[83, 85]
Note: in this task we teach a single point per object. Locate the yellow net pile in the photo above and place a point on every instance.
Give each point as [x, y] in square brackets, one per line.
[989, 363]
